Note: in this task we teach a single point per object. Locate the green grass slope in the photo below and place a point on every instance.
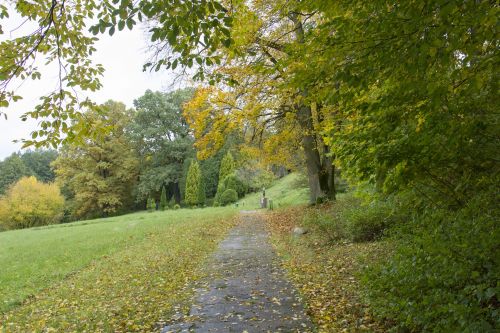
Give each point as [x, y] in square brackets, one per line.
[287, 191]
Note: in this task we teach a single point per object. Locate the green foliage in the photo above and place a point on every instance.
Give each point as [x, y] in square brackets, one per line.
[177, 206]
[356, 220]
[228, 196]
[202, 197]
[444, 275]
[11, 170]
[218, 195]
[31, 163]
[233, 182]
[39, 163]
[426, 124]
[227, 167]
[161, 138]
[29, 203]
[163, 199]
[255, 178]
[100, 174]
[151, 204]
[368, 222]
[194, 194]
[62, 37]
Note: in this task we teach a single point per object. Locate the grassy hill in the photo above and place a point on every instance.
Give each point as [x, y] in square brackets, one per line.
[287, 191]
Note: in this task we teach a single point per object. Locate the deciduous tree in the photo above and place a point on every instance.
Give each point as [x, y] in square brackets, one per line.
[161, 137]
[11, 170]
[193, 29]
[101, 173]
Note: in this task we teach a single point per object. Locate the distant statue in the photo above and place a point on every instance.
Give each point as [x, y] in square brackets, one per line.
[263, 200]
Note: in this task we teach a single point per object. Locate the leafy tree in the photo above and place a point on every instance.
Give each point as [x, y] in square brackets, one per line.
[161, 137]
[194, 194]
[163, 199]
[11, 170]
[194, 29]
[267, 99]
[38, 161]
[30, 203]
[101, 173]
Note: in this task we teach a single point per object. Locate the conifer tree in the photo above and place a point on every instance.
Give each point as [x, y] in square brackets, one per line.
[201, 190]
[163, 199]
[227, 167]
[193, 182]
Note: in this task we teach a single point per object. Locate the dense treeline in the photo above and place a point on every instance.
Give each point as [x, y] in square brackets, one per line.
[144, 158]
[402, 96]
[29, 163]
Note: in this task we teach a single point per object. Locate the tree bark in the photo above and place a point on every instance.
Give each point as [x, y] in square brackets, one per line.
[318, 173]
[313, 160]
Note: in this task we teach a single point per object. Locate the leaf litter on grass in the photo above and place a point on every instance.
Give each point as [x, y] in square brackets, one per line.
[325, 273]
[133, 290]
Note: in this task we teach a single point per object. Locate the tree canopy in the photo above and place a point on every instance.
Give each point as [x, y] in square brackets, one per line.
[161, 137]
[66, 34]
[100, 174]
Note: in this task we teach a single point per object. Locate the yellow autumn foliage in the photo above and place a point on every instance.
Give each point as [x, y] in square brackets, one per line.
[30, 203]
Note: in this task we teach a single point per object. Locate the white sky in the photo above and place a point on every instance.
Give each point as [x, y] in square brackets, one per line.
[122, 55]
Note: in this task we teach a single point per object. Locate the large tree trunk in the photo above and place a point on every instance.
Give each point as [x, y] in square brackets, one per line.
[313, 160]
[320, 172]
[327, 175]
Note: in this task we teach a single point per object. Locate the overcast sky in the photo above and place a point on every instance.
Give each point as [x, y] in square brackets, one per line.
[122, 55]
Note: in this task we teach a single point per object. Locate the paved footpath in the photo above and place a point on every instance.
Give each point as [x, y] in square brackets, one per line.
[245, 290]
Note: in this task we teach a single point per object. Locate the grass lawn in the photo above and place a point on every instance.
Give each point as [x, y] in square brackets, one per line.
[116, 274]
[120, 274]
[326, 272]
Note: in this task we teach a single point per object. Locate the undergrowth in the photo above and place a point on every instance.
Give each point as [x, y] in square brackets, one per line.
[325, 266]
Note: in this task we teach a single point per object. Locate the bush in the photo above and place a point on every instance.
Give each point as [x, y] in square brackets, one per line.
[229, 196]
[444, 275]
[349, 219]
[233, 182]
[177, 206]
[369, 222]
[29, 203]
